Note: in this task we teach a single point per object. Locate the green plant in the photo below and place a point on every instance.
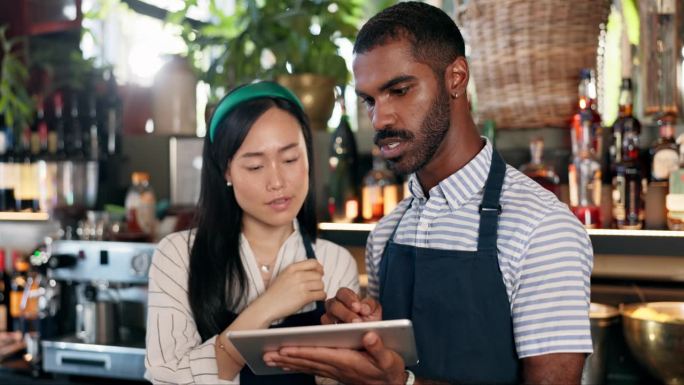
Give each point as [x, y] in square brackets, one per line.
[15, 103]
[59, 55]
[264, 39]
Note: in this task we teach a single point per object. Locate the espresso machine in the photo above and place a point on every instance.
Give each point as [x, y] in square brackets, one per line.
[100, 291]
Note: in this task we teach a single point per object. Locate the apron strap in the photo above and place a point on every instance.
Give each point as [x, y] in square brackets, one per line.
[490, 208]
[310, 254]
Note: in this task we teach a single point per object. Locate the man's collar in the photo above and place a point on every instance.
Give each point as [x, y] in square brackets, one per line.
[459, 187]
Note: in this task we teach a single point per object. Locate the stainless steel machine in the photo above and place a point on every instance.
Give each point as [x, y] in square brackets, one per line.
[101, 291]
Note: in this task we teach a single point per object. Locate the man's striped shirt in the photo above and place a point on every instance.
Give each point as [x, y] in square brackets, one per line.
[545, 255]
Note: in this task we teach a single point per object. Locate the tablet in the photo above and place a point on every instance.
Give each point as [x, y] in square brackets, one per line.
[252, 344]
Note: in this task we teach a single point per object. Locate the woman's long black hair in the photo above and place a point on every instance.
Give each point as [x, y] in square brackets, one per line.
[217, 281]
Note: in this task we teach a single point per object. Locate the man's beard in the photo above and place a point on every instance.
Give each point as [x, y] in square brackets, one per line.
[433, 129]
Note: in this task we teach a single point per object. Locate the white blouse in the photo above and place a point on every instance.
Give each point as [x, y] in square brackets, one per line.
[174, 350]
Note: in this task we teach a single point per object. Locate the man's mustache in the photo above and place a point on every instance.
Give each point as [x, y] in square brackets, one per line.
[391, 133]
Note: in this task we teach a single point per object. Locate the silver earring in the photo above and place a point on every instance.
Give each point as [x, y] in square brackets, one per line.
[229, 184]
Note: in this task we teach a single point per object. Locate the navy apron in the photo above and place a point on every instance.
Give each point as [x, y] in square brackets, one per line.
[247, 377]
[456, 300]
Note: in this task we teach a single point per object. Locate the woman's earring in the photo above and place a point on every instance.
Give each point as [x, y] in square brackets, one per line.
[229, 184]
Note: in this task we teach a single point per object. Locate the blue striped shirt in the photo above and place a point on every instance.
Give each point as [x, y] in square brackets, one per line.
[544, 253]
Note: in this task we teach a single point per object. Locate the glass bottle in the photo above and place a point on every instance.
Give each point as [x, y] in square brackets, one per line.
[76, 153]
[585, 182]
[380, 191]
[675, 198]
[627, 179]
[46, 166]
[4, 294]
[664, 152]
[8, 176]
[20, 311]
[65, 169]
[92, 153]
[539, 171]
[628, 196]
[586, 121]
[140, 205]
[112, 115]
[343, 201]
[584, 173]
[625, 122]
[26, 192]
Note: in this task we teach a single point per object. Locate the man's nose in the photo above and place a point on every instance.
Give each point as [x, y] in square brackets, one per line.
[383, 116]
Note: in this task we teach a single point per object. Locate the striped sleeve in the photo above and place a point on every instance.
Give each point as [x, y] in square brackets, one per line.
[174, 352]
[339, 267]
[550, 306]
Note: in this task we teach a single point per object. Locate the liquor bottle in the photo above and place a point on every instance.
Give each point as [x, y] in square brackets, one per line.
[586, 121]
[585, 179]
[540, 172]
[20, 311]
[140, 206]
[7, 168]
[46, 167]
[675, 198]
[664, 152]
[112, 116]
[26, 192]
[627, 179]
[625, 122]
[380, 191]
[57, 145]
[584, 173]
[4, 294]
[92, 152]
[75, 151]
[11, 166]
[343, 201]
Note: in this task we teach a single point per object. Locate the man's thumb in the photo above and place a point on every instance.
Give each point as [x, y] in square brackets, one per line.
[375, 347]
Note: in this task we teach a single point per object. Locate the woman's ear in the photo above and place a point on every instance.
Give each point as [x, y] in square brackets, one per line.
[457, 74]
[229, 180]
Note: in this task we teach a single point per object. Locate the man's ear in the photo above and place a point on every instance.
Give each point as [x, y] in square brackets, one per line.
[457, 75]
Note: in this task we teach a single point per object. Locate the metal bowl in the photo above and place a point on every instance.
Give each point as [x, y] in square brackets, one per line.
[654, 332]
[604, 324]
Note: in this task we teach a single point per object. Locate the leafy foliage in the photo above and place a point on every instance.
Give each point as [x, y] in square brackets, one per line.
[15, 103]
[299, 36]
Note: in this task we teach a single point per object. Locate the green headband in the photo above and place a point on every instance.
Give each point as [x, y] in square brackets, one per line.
[245, 93]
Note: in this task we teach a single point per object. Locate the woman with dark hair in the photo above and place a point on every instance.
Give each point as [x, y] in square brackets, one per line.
[253, 261]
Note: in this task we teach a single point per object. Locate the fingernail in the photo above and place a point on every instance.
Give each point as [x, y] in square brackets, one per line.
[270, 363]
[356, 306]
[355, 320]
[365, 309]
[286, 369]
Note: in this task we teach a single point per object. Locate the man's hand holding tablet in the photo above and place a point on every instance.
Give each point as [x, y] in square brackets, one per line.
[375, 364]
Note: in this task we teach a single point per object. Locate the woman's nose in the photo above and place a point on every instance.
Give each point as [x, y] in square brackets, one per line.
[275, 178]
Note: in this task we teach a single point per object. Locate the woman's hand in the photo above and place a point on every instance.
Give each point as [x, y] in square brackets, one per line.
[299, 284]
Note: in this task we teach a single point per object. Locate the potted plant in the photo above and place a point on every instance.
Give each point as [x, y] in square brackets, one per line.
[294, 42]
[15, 103]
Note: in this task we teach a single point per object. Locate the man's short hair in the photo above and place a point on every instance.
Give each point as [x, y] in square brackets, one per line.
[435, 38]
